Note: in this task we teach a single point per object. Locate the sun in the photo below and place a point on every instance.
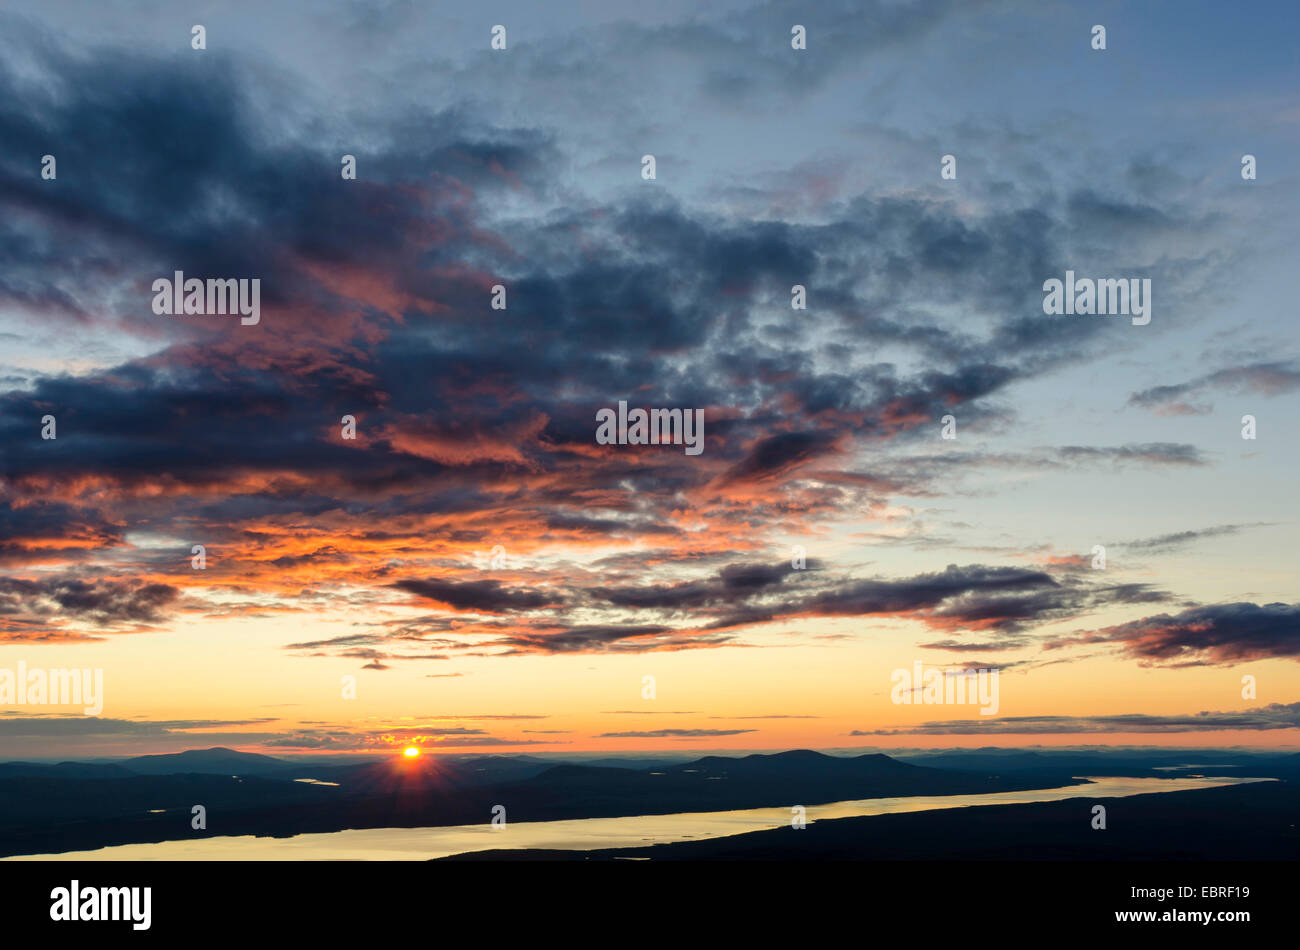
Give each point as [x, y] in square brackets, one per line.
[410, 752]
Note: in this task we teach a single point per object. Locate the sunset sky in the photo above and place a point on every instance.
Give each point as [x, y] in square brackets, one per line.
[374, 557]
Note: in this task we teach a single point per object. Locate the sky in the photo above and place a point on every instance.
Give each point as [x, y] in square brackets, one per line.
[489, 575]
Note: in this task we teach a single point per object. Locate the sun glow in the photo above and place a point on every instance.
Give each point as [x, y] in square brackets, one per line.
[410, 752]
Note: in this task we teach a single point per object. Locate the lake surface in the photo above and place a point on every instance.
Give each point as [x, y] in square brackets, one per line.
[585, 834]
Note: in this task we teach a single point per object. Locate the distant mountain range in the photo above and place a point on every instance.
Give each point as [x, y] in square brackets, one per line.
[216, 761]
[1106, 761]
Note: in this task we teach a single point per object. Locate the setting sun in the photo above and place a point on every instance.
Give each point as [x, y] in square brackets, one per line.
[410, 752]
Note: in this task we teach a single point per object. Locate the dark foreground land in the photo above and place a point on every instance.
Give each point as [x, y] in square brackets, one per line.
[1253, 822]
[78, 807]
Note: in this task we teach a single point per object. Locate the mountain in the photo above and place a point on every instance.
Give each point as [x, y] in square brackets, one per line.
[802, 764]
[753, 781]
[483, 769]
[629, 762]
[62, 770]
[216, 761]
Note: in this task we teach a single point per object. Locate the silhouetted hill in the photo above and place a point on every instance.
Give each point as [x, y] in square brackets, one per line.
[62, 770]
[631, 762]
[800, 763]
[215, 761]
[478, 770]
[715, 783]
[444, 773]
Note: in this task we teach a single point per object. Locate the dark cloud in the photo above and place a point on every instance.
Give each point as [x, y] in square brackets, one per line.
[1003, 599]
[1213, 635]
[631, 638]
[733, 583]
[103, 603]
[488, 596]
[779, 454]
[38, 529]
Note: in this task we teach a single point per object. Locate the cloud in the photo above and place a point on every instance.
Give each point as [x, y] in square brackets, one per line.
[970, 597]
[1157, 453]
[772, 716]
[99, 726]
[342, 741]
[692, 614]
[1212, 635]
[1270, 378]
[674, 734]
[486, 717]
[102, 603]
[733, 583]
[1265, 719]
[1178, 539]
[487, 596]
[645, 638]
[779, 455]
